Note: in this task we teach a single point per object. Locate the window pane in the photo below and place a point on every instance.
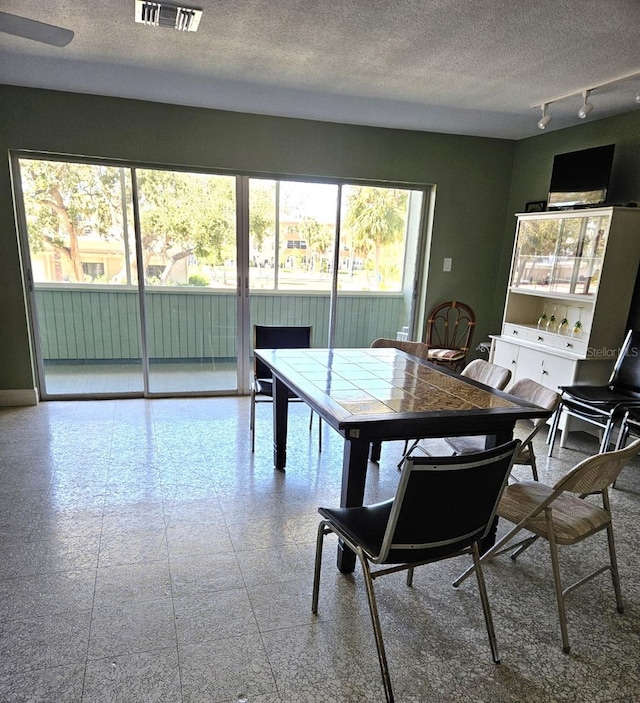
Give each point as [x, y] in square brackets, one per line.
[76, 223]
[81, 246]
[262, 233]
[188, 236]
[188, 222]
[373, 238]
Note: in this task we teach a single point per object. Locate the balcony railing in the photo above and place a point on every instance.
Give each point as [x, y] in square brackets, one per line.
[102, 323]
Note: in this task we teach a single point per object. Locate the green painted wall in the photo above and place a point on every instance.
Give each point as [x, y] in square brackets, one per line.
[480, 183]
[472, 176]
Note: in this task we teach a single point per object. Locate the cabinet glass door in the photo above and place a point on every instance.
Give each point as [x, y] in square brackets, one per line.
[591, 257]
[560, 255]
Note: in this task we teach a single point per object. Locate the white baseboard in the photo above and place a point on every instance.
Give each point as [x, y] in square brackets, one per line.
[21, 396]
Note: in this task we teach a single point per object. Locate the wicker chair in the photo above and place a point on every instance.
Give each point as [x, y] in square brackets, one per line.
[449, 333]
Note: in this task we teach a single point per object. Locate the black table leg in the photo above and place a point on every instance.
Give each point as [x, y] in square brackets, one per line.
[280, 422]
[354, 474]
[376, 448]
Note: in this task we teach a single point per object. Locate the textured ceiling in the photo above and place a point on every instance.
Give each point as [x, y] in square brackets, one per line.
[458, 66]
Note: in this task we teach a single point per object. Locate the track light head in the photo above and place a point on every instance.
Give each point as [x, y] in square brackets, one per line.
[586, 106]
[545, 119]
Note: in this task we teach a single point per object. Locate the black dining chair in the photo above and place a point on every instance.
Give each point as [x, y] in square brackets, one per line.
[604, 406]
[443, 507]
[275, 337]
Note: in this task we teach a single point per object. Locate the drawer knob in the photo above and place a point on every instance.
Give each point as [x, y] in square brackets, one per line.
[540, 339]
[545, 373]
[570, 345]
[515, 332]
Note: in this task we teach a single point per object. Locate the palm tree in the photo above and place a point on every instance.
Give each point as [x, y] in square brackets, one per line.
[375, 219]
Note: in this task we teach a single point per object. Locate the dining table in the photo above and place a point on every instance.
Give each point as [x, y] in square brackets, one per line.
[376, 395]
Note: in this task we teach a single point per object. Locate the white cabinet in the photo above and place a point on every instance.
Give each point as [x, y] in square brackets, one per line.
[572, 279]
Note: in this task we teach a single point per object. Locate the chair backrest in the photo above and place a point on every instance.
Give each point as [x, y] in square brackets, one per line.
[487, 373]
[595, 473]
[278, 337]
[626, 372]
[418, 349]
[444, 504]
[450, 326]
[535, 393]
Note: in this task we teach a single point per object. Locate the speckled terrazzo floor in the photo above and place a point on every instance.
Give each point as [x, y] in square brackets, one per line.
[146, 555]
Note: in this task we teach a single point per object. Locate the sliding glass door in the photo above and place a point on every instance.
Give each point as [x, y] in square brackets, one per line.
[133, 278]
[82, 277]
[187, 225]
[342, 258]
[149, 281]
[376, 260]
[292, 230]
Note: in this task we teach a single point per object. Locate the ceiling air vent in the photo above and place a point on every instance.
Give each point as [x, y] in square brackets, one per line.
[161, 14]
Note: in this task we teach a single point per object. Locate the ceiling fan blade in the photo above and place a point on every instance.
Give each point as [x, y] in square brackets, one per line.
[32, 29]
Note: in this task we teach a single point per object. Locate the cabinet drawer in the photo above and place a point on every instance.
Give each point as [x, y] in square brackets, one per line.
[541, 337]
[515, 331]
[571, 344]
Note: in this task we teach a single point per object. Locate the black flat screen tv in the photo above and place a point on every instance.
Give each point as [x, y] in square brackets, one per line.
[580, 178]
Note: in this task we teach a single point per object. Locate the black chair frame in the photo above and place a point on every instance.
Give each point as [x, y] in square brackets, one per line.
[604, 406]
[276, 337]
[444, 507]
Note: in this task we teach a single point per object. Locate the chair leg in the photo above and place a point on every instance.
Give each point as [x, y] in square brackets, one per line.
[623, 435]
[319, 429]
[551, 437]
[534, 466]
[410, 576]
[322, 530]
[606, 435]
[484, 598]
[252, 422]
[555, 565]
[615, 574]
[408, 450]
[377, 630]
[522, 546]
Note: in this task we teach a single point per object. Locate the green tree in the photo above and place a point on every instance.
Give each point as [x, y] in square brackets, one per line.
[186, 214]
[319, 238]
[375, 220]
[65, 200]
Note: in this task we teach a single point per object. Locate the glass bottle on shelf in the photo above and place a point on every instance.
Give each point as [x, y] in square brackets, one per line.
[551, 323]
[577, 325]
[542, 320]
[563, 327]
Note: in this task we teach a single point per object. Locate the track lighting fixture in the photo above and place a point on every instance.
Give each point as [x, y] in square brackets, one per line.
[586, 106]
[545, 119]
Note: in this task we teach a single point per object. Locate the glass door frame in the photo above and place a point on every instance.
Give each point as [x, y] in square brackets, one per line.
[243, 293]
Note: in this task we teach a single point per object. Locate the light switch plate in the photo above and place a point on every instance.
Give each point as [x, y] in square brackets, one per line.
[447, 264]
